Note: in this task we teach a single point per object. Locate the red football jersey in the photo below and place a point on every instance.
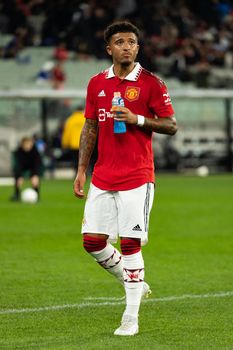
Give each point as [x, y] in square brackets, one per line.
[125, 161]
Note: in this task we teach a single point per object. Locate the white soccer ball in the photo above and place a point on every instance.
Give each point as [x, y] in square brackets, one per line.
[29, 196]
[202, 171]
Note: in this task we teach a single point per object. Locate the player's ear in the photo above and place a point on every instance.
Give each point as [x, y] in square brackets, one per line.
[108, 49]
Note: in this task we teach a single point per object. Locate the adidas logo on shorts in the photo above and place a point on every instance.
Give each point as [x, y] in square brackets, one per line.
[137, 228]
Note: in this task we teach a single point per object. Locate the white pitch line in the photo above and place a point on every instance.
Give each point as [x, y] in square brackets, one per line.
[105, 298]
[58, 307]
[118, 301]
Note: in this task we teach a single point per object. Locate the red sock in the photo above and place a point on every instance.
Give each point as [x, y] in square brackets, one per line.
[93, 244]
[130, 246]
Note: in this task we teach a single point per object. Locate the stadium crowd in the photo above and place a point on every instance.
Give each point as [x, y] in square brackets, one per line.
[182, 38]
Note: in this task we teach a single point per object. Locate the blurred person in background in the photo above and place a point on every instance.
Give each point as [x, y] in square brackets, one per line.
[70, 139]
[60, 52]
[58, 75]
[122, 188]
[16, 43]
[26, 162]
[71, 134]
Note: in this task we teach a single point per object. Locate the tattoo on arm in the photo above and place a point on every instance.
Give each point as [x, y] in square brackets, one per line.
[161, 125]
[87, 142]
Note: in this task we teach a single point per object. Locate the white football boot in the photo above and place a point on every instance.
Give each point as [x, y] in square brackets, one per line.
[129, 324]
[128, 327]
[146, 291]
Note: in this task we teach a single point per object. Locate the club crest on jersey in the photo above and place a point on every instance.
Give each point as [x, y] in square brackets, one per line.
[132, 93]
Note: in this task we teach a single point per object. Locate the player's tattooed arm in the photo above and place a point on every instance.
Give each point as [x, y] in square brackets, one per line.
[161, 125]
[86, 147]
[87, 143]
[166, 125]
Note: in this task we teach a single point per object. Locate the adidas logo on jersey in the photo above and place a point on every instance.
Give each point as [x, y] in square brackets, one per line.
[102, 93]
[137, 228]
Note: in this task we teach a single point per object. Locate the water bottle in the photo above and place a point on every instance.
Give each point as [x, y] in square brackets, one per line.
[117, 101]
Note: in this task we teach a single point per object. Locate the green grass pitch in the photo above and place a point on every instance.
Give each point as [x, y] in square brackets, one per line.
[53, 296]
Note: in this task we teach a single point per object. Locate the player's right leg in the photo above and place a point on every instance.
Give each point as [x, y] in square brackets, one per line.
[104, 253]
[17, 187]
[99, 227]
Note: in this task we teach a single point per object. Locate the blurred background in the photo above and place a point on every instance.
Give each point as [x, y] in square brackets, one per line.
[49, 50]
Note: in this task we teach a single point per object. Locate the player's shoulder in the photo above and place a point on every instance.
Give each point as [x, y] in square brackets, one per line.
[97, 80]
[152, 77]
[100, 75]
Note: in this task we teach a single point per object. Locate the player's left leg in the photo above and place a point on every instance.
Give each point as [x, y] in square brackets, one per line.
[134, 208]
[133, 280]
[35, 181]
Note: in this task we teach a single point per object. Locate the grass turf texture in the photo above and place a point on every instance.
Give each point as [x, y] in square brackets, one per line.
[42, 263]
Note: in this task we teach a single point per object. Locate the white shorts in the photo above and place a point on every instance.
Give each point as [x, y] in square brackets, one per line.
[119, 213]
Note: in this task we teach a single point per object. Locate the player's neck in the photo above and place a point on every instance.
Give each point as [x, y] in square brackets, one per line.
[121, 71]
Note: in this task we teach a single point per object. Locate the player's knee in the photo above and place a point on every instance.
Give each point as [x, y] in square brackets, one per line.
[130, 246]
[35, 180]
[93, 243]
[19, 180]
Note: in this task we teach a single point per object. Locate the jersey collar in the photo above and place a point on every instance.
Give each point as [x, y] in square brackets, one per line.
[132, 76]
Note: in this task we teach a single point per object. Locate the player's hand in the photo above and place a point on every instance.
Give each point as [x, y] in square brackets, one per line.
[78, 186]
[124, 114]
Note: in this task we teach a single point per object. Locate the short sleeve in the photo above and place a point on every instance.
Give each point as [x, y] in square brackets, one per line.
[160, 101]
[90, 110]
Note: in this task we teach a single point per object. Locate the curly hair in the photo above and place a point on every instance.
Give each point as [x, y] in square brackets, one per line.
[120, 27]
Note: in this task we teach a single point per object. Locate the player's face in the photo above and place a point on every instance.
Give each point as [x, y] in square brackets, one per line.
[27, 145]
[123, 47]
